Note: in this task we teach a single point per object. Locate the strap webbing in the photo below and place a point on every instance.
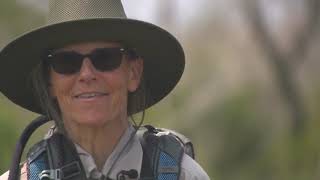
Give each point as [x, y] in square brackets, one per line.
[146, 170]
[55, 158]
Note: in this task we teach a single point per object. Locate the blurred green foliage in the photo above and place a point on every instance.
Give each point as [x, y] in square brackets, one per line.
[16, 19]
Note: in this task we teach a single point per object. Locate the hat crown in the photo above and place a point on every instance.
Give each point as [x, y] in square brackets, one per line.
[68, 10]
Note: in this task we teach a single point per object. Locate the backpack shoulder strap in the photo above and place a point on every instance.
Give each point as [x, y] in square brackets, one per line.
[37, 160]
[54, 158]
[162, 154]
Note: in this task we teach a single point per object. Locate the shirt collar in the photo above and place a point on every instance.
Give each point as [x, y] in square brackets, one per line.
[129, 158]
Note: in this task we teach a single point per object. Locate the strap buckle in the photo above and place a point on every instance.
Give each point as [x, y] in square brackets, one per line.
[54, 174]
[64, 172]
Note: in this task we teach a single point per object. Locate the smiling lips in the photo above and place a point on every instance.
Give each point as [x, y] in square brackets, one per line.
[90, 95]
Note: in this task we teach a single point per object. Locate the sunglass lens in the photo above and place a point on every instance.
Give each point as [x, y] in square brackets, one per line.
[106, 59]
[66, 62]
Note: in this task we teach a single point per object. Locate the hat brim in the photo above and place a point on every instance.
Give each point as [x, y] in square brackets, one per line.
[163, 55]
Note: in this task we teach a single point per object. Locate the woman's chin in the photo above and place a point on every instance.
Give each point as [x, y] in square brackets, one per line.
[93, 122]
[93, 119]
[90, 120]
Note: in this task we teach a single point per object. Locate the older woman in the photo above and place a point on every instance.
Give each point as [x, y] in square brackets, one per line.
[91, 68]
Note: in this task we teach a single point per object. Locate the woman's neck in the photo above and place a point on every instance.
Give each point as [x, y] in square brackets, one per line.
[99, 141]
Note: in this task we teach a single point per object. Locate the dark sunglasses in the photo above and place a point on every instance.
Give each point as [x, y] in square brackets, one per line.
[70, 62]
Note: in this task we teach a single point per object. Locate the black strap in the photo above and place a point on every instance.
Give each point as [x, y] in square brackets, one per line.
[62, 162]
[146, 170]
[63, 155]
[149, 145]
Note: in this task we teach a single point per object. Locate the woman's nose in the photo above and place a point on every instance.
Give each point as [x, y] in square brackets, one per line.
[87, 70]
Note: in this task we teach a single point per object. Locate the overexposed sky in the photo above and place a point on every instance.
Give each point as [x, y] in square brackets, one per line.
[146, 9]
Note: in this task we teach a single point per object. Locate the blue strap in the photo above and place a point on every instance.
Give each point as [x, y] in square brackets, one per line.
[168, 168]
[37, 166]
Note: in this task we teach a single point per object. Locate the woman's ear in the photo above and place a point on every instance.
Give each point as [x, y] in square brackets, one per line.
[135, 74]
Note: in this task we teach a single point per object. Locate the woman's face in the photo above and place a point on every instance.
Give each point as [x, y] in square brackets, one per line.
[92, 97]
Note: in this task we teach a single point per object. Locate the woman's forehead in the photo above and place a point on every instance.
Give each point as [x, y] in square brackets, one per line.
[88, 46]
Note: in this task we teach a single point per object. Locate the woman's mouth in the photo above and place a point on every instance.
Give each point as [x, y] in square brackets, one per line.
[90, 95]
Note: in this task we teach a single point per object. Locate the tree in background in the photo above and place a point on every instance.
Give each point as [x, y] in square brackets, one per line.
[241, 123]
[285, 64]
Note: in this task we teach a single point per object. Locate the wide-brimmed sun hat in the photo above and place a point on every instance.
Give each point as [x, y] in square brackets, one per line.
[71, 21]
